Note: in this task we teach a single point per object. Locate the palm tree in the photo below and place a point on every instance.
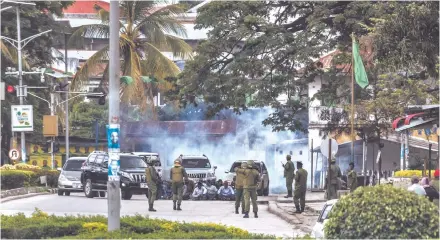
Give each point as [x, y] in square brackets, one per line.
[145, 30]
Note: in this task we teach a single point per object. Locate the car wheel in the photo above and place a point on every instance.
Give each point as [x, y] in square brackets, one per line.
[102, 194]
[67, 193]
[88, 189]
[60, 193]
[126, 195]
[260, 192]
[266, 190]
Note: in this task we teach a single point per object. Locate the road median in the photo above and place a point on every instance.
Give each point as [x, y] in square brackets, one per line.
[25, 192]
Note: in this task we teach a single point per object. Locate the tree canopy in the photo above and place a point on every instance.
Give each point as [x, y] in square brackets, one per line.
[258, 51]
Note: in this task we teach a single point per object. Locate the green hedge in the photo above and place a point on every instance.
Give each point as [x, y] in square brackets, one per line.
[383, 212]
[41, 225]
[11, 179]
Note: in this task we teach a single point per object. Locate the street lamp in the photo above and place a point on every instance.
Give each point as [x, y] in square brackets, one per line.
[19, 44]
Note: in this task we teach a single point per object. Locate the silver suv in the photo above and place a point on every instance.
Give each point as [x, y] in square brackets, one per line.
[198, 167]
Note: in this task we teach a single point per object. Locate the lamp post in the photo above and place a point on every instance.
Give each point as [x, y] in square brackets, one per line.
[19, 44]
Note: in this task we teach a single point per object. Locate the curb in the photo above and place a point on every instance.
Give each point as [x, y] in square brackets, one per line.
[291, 219]
[28, 195]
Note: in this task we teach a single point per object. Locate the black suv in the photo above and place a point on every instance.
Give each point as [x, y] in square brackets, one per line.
[94, 175]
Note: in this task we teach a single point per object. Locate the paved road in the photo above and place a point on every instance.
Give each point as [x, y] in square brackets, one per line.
[200, 211]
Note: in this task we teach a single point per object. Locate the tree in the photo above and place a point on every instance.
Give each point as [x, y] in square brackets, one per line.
[36, 54]
[83, 117]
[145, 31]
[261, 50]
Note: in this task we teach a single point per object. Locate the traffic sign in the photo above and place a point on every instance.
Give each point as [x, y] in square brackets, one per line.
[14, 154]
[325, 147]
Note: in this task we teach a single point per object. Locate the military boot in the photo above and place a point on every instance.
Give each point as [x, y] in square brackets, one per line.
[178, 207]
[255, 215]
[236, 210]
[289, 194]
[151, 209]
[302, 209]
[174, 205]
[297, 210]
[246, 215]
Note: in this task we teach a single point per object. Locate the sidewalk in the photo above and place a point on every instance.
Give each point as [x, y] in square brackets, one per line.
[284, 208]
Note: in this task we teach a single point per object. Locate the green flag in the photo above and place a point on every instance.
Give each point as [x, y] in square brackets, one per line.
[359, 69]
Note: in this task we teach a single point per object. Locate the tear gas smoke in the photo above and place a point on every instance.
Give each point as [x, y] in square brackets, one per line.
[251, 141]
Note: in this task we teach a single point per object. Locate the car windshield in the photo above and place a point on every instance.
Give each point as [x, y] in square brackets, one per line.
[238, 164]
[196, 163]
[132, 162]
[154, 158]
[326, 211]
[73, 165]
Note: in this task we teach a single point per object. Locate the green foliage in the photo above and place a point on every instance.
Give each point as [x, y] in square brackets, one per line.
[83, 117]
[383, 212]
[41, 225]
[11, 179]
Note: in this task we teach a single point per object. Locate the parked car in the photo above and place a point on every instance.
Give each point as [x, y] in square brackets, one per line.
[70, 176]
[94, 175]
[152, 157]
[198, 167]
[318, 229]
[263, 185]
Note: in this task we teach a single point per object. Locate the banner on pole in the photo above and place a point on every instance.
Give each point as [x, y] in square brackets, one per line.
[113, 151]
[22, 118]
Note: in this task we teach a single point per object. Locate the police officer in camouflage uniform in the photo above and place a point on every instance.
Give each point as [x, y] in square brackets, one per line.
[289, 174]
[152, 182]
[299, 195]
[352, 182]
[251, 179]
[239, 196]
[336, 174]
[177, 174]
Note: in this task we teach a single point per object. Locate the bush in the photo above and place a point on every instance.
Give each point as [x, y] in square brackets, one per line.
[41, 225]
[382, 212]
[25, 178]
[410, 173]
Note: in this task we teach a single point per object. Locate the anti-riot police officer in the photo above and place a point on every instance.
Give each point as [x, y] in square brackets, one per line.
[177, 174]
[352, 182]
[152, 182]
[299, 195]
[289, 174]
[239, 196]
[251, 179]
[336, 174]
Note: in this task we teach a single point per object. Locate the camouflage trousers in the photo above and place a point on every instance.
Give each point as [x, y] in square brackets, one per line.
[250, 194]
[152, 193]
[177, 189]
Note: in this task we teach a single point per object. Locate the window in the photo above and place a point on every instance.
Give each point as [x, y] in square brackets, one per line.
[132, 162]
[91, 158]
[325, 213]
[73, 165]
[99, 159]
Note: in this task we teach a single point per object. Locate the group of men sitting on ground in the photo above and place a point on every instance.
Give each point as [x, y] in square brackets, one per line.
[209, 190]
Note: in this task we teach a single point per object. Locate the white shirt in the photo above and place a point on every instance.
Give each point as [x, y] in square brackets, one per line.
[197, 192]
[212, 189]
[417, 188]
[226, 191]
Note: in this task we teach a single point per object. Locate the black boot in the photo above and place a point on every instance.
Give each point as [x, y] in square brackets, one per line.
[236, 210]
[302, 209]
[178, 207]
[289, 194]
[297, 210]
[151, 209]
[246, 215]
[174, 205]
[255, 215]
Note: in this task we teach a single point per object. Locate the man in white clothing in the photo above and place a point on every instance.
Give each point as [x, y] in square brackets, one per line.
[199, 192]
[416, 187]
[212, 191]
[226, 192]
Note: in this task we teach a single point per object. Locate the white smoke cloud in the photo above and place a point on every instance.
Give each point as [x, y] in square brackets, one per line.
[251, 141]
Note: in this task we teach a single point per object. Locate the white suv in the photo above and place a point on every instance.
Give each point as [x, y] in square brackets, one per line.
[198, 167]
[153, 157]
[318, 229]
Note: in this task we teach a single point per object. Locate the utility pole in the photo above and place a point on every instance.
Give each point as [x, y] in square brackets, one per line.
[52, 113]
[67, 97]
[19, 45]
[113, 183]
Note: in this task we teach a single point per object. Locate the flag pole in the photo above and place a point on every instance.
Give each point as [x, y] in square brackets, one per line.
[352, 101]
